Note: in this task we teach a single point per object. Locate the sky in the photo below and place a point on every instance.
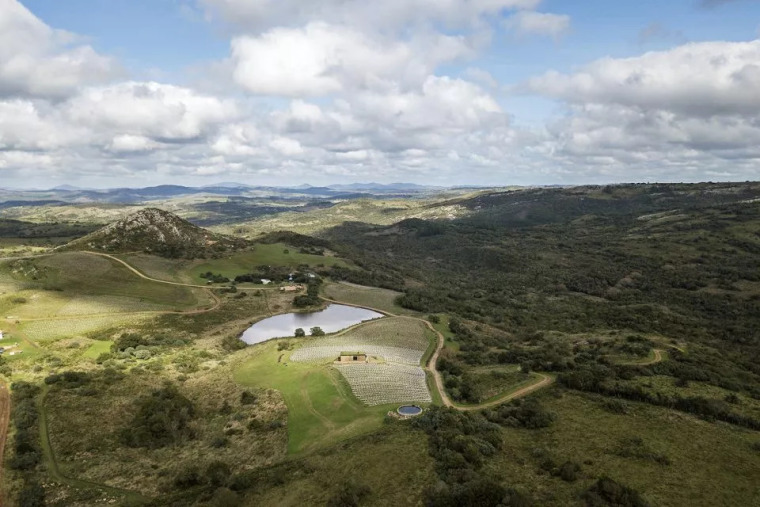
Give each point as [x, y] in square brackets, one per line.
[106, 93]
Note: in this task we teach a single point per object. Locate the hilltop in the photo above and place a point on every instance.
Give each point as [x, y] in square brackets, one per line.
[158, 232]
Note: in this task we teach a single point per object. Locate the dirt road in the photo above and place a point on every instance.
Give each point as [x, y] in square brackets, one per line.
[544, 381]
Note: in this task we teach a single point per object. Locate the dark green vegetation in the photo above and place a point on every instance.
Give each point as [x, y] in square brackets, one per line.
[642, 300]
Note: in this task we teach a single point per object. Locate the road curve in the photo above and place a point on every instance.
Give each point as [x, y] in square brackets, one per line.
[167, 282]
[545, 380]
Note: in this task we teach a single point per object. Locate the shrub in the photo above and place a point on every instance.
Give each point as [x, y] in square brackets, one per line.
[317, 331]
[218, 473]
[606, 492]
[569, 471]
[300, 332]
[160, 419]
[31, 495]
[247, 398]
[349, 494]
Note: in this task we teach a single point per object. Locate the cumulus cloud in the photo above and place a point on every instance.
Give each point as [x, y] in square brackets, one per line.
[538, 23]
[37, 61]
[319, 59]
[695, 79]
[158, 111]
[693, 110]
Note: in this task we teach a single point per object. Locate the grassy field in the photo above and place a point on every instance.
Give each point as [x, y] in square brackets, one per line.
[709, 464]
[373, 297]
[321, 408]
[271, 255]
[49, 330]
[393, 463]
[78, 274]
[442, 326]
[97, 348]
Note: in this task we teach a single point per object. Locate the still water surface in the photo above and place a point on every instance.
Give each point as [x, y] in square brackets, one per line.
[332, 319]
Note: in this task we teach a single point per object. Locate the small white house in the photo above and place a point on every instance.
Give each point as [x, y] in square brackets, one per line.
[266, 281]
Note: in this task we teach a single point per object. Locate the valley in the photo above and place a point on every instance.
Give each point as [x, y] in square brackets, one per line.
[538, 343]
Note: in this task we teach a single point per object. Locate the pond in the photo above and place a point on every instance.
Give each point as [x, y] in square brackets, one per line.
[409, 410]
[332, 319]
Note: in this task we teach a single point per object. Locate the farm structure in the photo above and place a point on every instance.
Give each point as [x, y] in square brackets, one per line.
[352, 357]
[291, 288]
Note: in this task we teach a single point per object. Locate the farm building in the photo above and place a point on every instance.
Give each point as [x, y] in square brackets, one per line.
[352, 357]
[291, 288]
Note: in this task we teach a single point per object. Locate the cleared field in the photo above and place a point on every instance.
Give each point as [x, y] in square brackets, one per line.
[321, 408]
[373, 297]
[270, 255]
[395, 339]
[46, 330]
[379, 384]
[97, 348]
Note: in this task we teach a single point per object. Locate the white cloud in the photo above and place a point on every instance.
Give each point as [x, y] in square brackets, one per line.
[692, 111]
[320, 59]
[538, 23]
[129, 143]
[37, 61]
[158, 111]
[696, 79]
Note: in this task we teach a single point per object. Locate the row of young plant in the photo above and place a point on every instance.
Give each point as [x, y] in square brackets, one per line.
[380, 384]
[390, 354]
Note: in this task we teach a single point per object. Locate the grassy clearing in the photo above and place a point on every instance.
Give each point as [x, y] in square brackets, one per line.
[97, 348]
[442, 326]
[373, 297]
[271, 255]
[710, 464]
[321, 408]
[47, 330]
[86, 275]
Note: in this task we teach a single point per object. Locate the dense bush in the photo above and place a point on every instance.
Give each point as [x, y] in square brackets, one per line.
[161, 418]
[606, 492]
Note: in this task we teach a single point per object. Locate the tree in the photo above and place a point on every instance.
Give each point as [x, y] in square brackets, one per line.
[317, 331]
[300, 332]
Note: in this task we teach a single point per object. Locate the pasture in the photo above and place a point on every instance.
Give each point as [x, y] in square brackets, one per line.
[371, 297]
[321, 407]
[270, 255]
[79, 274]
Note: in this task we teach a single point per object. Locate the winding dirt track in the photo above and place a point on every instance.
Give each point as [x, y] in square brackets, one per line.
[167, 282]
[544, 381]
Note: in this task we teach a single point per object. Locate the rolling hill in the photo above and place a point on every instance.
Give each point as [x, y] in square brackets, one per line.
[158, 232]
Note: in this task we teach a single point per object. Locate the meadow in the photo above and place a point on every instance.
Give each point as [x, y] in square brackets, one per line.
[371, 297]
[321, 407]
[276, 254]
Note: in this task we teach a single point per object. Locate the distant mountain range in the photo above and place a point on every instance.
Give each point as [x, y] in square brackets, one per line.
[69, 193]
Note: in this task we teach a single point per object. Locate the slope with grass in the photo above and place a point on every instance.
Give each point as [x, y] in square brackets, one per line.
[321, 408]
